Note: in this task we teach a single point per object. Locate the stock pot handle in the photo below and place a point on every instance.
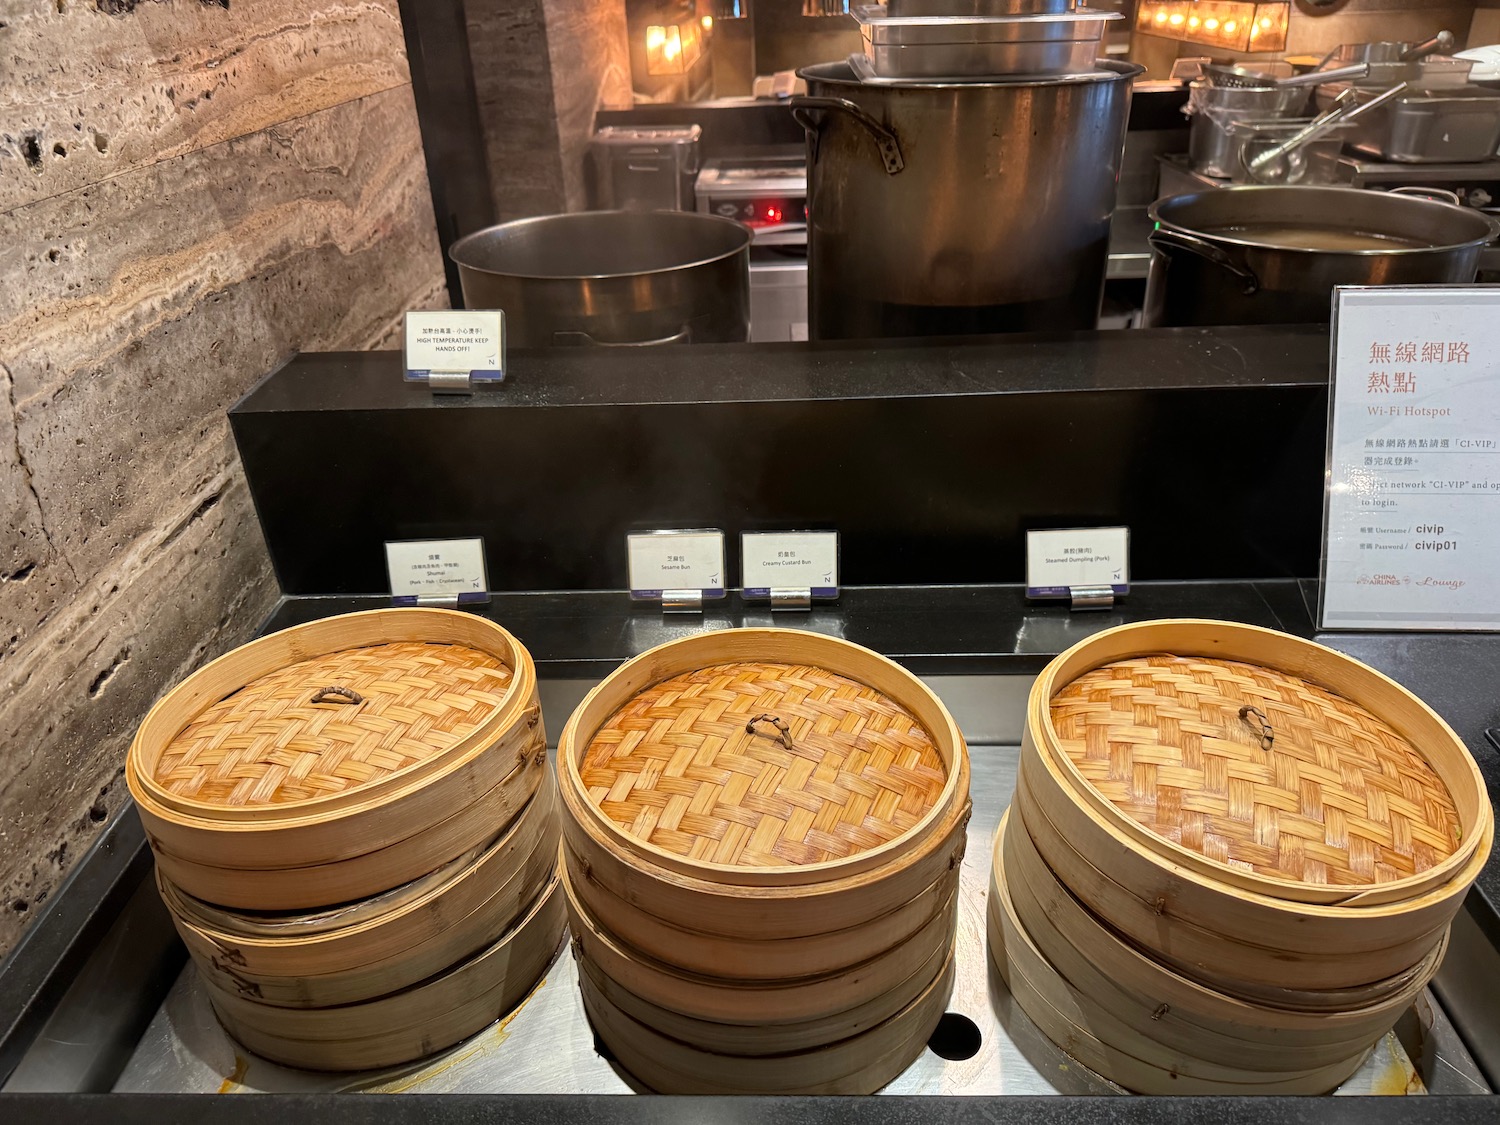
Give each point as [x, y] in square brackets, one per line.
[885, 140]
[1162, 238]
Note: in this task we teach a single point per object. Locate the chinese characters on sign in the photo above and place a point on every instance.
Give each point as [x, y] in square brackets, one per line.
[1413, 505]
[1062, 560]
[1384, 379]
[456, 342]
[790, 560]
[662, 561]
[436, 568]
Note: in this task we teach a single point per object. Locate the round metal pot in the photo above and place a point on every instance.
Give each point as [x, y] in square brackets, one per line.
[944, 208]
[1204, 271]
[611, 278]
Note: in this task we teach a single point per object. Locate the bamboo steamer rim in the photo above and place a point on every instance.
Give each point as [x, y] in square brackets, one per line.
[1317, 664]
[1183, 993]
[1008, 937]
[228, 673]
[426, 1000]
[768, 645]
[1352, 911]
[283, 933]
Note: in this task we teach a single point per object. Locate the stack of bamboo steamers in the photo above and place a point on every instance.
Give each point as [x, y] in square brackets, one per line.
[761, 841]
[355, 831]
[1231, 858]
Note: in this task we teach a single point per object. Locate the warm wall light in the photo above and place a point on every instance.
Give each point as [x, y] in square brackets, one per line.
[663, 50]
[1235, 25]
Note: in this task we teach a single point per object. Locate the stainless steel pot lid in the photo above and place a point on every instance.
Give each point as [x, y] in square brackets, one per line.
[842, 74]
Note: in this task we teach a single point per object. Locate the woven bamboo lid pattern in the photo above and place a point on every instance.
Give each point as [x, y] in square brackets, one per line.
[763, 765]
[1306, 786]
[396, 704]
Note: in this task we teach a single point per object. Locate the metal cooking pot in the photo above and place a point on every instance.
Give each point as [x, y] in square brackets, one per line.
[611, 277]
[940, 208]
[1206, 271]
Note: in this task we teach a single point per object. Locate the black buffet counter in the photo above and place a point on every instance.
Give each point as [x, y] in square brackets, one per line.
[930, 459]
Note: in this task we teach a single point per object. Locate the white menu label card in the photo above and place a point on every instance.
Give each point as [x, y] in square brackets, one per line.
[797, 560]
[1412, 515]
[436, 568]
[676, 560]
[1059, 560]
[462, 341]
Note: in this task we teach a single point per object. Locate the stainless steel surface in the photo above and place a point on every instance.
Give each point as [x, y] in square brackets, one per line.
[989, 46]
[611, 277]
[643, 167]
[546, 1046]
[741, 188]
[93, 1031]
[997, 221]
[1388, 66]
[1286, 161]
[1203, 272]
[1447, 126]
[1468, 984]
[778, 299]
[1248, 78]
[906, 8]
[1216, 110]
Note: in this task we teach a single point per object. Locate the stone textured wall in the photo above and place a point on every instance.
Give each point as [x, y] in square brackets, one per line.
[189, 194]
[541, 69]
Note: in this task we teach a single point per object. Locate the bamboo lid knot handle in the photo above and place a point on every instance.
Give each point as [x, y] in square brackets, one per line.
[1261, 724]
[783, 733]
[336, 694]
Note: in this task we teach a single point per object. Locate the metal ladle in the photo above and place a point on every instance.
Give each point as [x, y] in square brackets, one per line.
[1238, 78]
[1283, 163]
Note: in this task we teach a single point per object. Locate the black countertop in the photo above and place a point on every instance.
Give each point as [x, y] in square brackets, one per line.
[1152, 358]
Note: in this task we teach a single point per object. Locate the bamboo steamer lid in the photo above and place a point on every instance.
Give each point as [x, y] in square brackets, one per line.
[337, 739]
[763, 758]
[1261, 760]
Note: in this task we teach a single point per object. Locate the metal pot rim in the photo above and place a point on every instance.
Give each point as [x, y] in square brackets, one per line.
[842, 74]
[1152, 212]
[694, 217]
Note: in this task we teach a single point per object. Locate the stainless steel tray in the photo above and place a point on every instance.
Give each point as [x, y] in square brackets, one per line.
[1446, 126]
[547, 1047]
[971, 46]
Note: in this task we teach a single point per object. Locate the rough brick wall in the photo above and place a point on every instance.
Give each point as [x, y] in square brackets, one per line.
[189, 193]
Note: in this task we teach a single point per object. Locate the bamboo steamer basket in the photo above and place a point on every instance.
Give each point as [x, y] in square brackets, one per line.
[1170, 911]
[766, 1039]
[762, 901]
[765, 958]
[859, 1064]
[412, 1023]
[1173, 1011]
[1182, 903]
[763, 829]
[758, 1004]
[1109, 1047]
[375, 946]
[248, 766]
[1314, 699]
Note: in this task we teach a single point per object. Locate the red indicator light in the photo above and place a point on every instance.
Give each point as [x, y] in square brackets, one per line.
[773, 214]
